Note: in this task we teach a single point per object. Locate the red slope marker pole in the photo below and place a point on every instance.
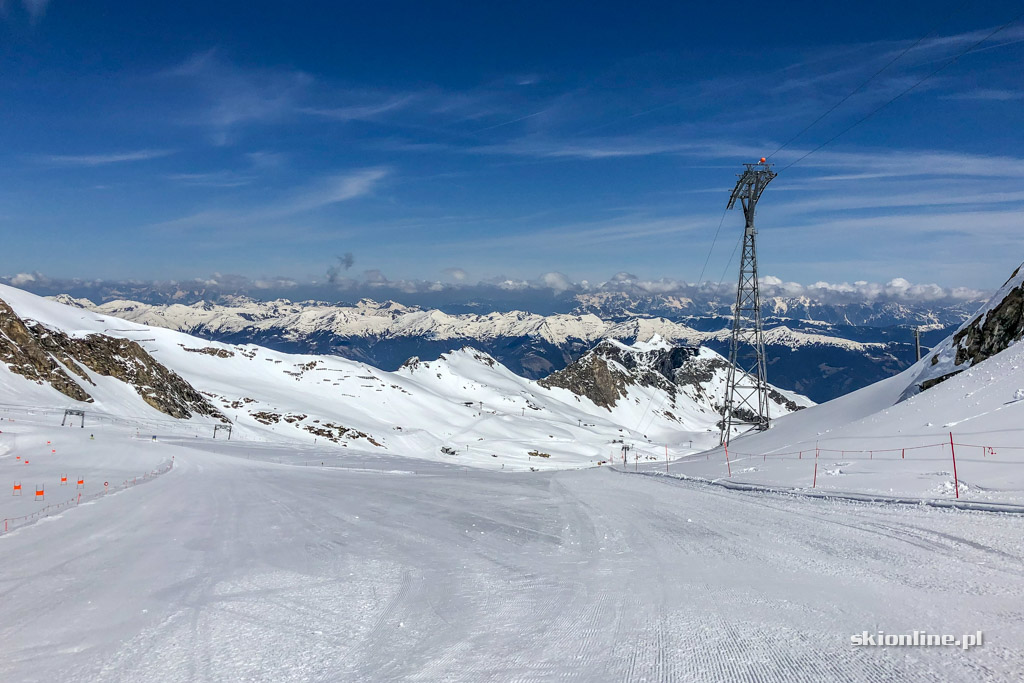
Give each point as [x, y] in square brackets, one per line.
[726, 446]
[956, 482]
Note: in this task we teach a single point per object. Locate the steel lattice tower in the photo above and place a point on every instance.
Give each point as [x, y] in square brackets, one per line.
[746, 391]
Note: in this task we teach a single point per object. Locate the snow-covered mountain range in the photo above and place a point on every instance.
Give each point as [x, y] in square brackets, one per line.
[811, 360]
[464, 403]
[466, 407]
[776, 308]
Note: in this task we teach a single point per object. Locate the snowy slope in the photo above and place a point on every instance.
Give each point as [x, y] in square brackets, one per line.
[464, 407]
[270, 558]
[892, 438]
[231, 569]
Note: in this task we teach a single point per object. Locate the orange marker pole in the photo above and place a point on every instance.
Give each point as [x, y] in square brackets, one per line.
[726, 446]
[956, 483]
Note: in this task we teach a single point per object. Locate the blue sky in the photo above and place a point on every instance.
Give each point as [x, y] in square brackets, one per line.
[466, 142]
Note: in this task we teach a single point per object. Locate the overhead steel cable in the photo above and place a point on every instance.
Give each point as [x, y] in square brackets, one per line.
[713, 241]
[870, 78]
[882, 106]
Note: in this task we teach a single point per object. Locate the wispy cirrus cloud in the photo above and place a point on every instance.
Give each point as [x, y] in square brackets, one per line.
[34, 8]
[318, 194]
[362, 111]
[331, 190]
[231, 95]
[103, 159]
[212, 179]
[910, 162]
[987, 95]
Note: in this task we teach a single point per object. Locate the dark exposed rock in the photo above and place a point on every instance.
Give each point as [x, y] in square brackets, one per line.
[210, 351]
[335, 432]
[999, 326]
[990, 334]
[605, 374]
[23, 353]
[32, 350]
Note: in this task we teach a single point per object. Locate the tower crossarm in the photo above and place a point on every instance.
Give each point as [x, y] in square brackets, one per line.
[750, 185]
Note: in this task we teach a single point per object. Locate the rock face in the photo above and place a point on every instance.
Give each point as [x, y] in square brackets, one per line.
[693, 378]
[38, 353]
[998, 325]
[605, 373]
[22, 351]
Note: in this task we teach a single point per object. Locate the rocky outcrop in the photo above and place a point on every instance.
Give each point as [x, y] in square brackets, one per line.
[605, 373]
[38, 352]
[998, 325]
[210, 351]
[696, 376]
[24, 354]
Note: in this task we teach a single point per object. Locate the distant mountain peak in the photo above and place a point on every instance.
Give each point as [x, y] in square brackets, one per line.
[692, 378]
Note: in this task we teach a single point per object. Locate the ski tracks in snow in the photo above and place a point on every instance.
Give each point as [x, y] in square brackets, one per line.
[247, 571]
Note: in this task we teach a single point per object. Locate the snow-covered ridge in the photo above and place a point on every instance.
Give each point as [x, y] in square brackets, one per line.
[463, 407]
[371, 319]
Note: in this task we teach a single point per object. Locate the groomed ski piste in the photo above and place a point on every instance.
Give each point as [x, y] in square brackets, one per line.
[271, 557]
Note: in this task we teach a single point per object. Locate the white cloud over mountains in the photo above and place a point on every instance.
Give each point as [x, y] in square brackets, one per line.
[374, 282]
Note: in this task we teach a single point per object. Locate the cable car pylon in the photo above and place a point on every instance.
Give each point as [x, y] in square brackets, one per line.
[746, 390]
